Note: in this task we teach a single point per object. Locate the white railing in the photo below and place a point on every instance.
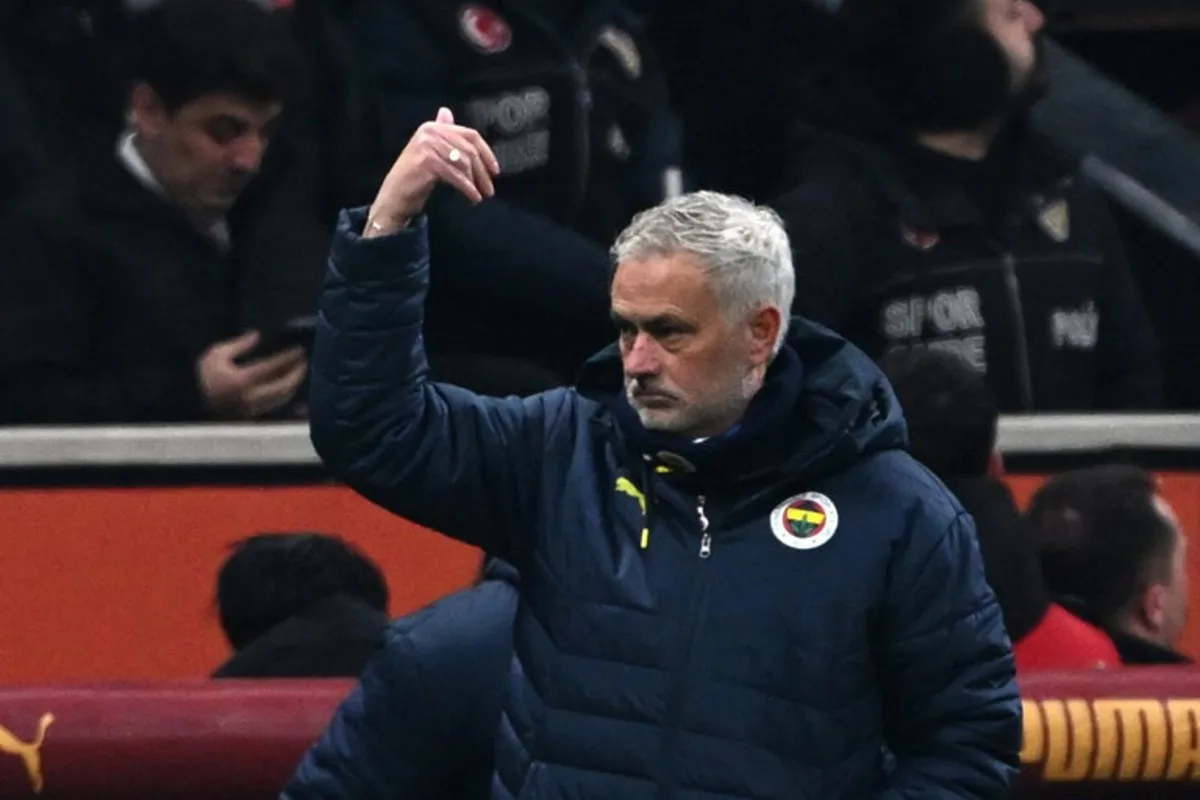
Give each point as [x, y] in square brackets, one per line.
[287, 444]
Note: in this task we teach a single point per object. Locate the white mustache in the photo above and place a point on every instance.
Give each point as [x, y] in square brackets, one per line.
[635, 387]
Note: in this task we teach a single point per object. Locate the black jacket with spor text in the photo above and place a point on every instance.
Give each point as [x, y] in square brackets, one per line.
[893, 251]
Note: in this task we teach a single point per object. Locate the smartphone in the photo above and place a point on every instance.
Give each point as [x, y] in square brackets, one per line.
[296, 332]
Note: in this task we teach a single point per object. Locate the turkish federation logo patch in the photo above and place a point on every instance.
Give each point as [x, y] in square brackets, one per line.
[805, 522]
[484, 29]
[923, 239]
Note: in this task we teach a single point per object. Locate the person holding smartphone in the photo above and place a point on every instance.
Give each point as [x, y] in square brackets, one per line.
[148, 291]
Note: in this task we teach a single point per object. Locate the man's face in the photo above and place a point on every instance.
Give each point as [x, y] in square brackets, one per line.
[1016, 26]
[207, 150]
[688, 368]
[1175, 591]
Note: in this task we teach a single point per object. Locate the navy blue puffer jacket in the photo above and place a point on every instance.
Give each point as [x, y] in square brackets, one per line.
[815, 624]
[422, 720]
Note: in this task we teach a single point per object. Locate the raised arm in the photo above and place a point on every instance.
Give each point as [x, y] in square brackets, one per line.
[462, 464]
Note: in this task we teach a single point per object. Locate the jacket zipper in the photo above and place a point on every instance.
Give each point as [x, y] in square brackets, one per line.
[577, 66]
[1024, 373]
[583, 137]
[705, 535]
[666, 789]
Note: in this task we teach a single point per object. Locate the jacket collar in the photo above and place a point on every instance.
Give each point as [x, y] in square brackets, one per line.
[923, 194]
[1137, 651]
[135, 165]
[823, 406]
[1038, 171]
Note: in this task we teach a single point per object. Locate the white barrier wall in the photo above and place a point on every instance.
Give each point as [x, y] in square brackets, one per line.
[287, 444]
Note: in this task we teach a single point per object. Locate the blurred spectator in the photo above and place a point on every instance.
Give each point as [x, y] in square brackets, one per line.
[299, 605]
[952, 423]
[1112, 547]
[422, 722]
[128, 298]
[572, 99]
[926, 214]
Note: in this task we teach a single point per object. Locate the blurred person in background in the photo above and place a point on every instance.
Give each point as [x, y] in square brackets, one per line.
[573, 101]
[299, 605]
[1112, 548]
[952, 428]
[142, 292]
[926, 212]
[422, 721]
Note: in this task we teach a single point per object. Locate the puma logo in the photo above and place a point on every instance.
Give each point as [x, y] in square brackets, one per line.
[625, 486]
[28, 752]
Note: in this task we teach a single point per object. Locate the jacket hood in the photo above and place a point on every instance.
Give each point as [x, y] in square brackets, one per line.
[495, 569]
[1135, 651]
[845, 407]
[333, 638]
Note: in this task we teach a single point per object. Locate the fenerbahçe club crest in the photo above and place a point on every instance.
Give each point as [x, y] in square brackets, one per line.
[805, 521]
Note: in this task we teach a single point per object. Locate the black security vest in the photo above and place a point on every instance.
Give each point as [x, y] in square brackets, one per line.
[566, 111]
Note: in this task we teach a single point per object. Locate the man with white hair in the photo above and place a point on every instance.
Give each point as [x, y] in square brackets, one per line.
[735, 582]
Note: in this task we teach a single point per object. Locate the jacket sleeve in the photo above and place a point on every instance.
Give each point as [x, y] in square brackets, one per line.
[515, 258]
[952, 709]
[422, 721]
[826, 254]
[461, 464]
[47, 372]
[1127, 352]
[282, 230]
[383, 741]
